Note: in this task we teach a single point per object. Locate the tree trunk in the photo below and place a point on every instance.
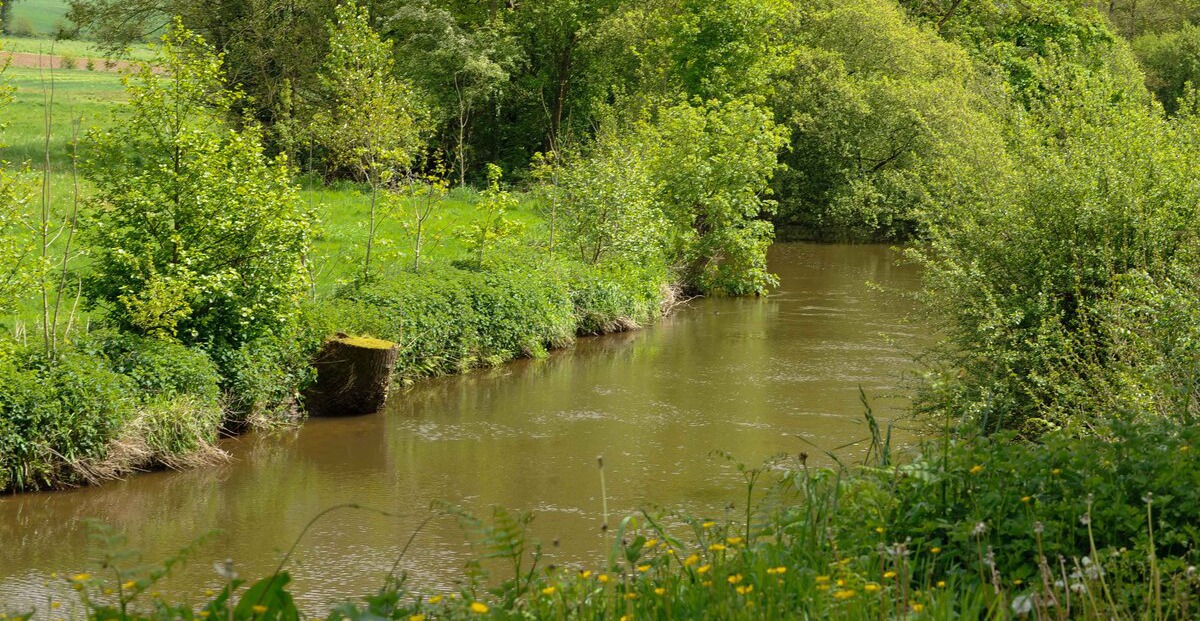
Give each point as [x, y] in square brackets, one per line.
[353, 376]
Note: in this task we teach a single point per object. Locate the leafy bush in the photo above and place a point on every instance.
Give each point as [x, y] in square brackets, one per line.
[617, 296]
[158, 368]
[1171, 61]
[55, 412]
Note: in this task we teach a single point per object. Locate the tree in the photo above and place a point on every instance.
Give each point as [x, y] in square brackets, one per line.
[605, 200]
[712, 163]
[371, 122]
[1171, 61]
[196, 235]
[462, 69]
[492, 227]
[16, 245]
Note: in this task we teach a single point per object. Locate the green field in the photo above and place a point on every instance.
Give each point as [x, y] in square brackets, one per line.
[41, 17]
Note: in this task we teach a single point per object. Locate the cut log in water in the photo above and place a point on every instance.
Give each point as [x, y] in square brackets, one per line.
[353, 376]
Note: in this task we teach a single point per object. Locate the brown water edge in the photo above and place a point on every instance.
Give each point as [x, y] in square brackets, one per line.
[746, 376]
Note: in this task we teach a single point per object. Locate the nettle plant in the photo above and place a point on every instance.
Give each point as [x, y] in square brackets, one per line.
[197, 235]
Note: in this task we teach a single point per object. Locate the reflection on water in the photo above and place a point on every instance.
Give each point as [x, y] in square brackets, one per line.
[750, 377]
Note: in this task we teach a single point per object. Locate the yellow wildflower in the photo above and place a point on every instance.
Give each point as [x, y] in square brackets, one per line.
[691, 560]
[626, 617]
[56, 605]
[845, 594]
[258, 609]
[209, 593]
[416, 617]
[128, 585]
[708, 525]
[706, 583]
[777, 570]
[935, 550]
[733, 541]
[918, 607]
[1185, 448]
[479, 608]
[889, 574]
[204, 614]
[742, 590]
[650, 543]
[1026, 498]
[81, 577]
[976, 469]
[822, 587]
[1018, 582]
[1056, 471]
[880, 530]
[587, 573]
[631, 596]
[659, 591]
[703, 568]
[941, 584]
[602, 578]
[716, 547]
[871, 587]
[734, 579]
[436, 599]
[643, 568]
[549, 590]
[821, 579]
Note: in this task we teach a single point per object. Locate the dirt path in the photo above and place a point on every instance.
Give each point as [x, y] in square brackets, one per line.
[35, 61]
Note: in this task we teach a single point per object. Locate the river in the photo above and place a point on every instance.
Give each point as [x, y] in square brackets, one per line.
[749, 377]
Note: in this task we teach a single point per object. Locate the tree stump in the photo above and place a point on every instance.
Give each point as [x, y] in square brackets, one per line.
[353, 376]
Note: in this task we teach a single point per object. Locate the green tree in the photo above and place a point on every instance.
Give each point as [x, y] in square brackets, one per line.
[712, 163]
[195, 234]
[606, 200]
[1171, 61]
[492, 227]
[371, 122]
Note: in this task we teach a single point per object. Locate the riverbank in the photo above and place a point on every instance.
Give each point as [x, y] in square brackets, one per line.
[114, 404]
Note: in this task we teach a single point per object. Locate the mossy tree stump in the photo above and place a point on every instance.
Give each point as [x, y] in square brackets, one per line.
[353, 376]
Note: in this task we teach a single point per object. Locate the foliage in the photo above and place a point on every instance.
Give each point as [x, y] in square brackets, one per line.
[1172, 62]
[712, 163]
[1027, 283]
[605, 201]
[16, 273]
[888, 124]
[195, 234]
[493, 228]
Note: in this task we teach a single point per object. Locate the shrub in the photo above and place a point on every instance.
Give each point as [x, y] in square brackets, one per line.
[158, 368]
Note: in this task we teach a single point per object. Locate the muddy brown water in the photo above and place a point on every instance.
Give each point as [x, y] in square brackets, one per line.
[749, 377]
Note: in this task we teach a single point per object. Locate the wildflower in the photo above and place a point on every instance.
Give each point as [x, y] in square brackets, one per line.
[935, 550]
[822, 579]
[626, 617]
[209, 593]
[708, 525]
[706, 583]
[128, 585]
[631, 596]
[225, 569]
[1185, 448]
[691, 560]
[844, 562]
[602, 578]
[841, 582]
[1026, 499]
[258, 609]
[703, 569]
[880, 530]
[587, 573]
[845, 594]
[1022, 605]
[436, 599]
[1018, 582]
[81, 577]
[416, 617]
[889, 574]
[549, 590]
[743, 590]
[1056, 471]
[643, 568]
[733, 541]
[659, 591]
[204, 614]
[918, 607]
[980, 529]
[777, 570]
[649, 543]
[871, 587]
[716, 547]
[822, 587]
[976, 469]
[479, 608]
[734, 579]
[56, 605]
[941, 584]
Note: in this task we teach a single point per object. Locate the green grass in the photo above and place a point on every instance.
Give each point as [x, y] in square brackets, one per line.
[79, 49]
[42, 16]
[93, 98]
